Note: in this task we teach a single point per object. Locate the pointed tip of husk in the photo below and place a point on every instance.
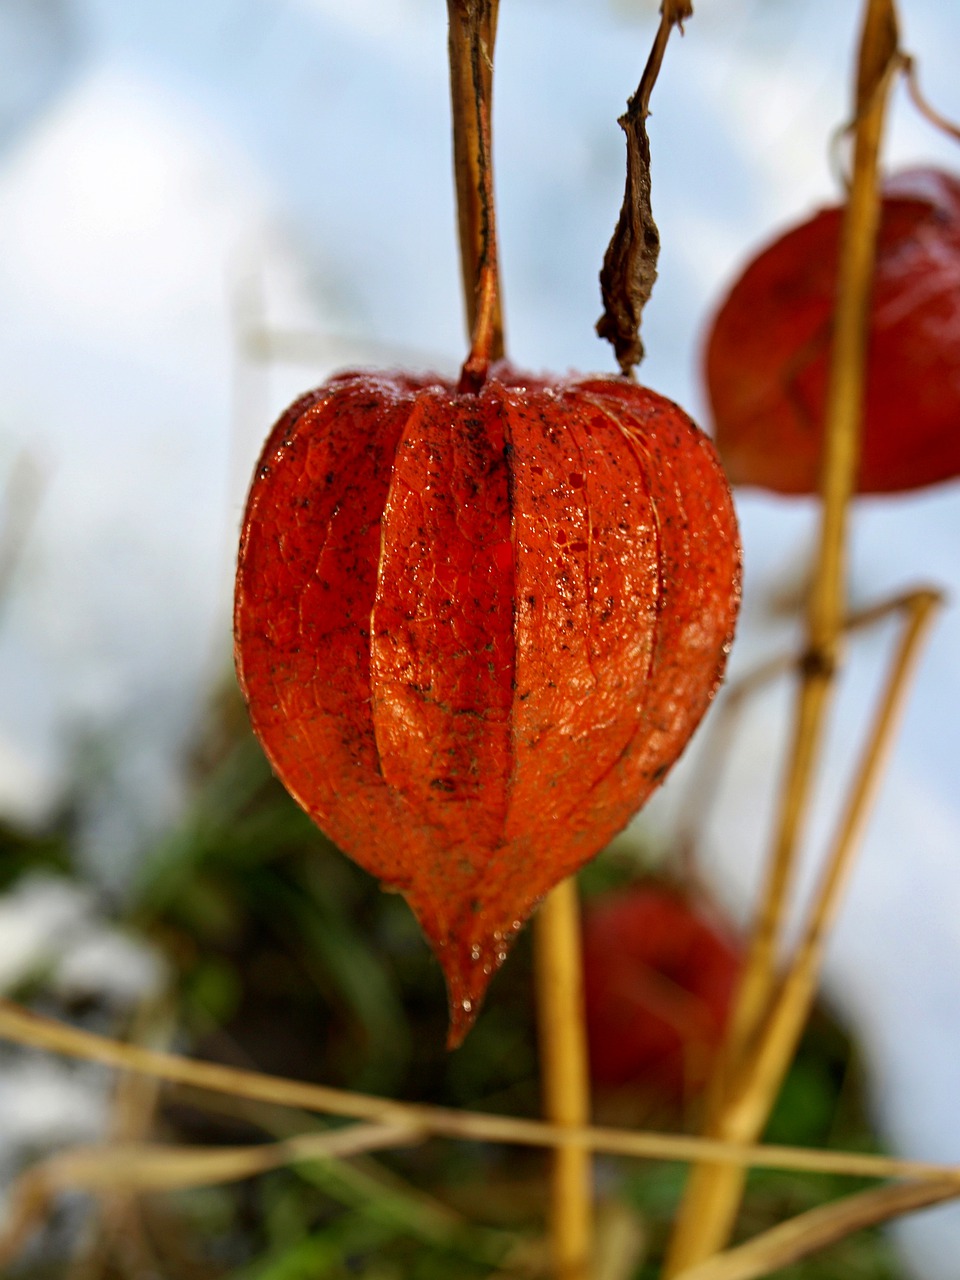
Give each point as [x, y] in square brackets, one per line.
[461, 1022]
[468, 967]
[469, 960]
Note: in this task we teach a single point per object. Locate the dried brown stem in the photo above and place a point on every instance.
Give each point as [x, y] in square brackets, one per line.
[413, 1119]
[140, 1167]
[877, 64]
[630, 264]
[566, 1082]
[705, 781]
[473, 29]
[809, 1232]
[712, 1198]
[781, 1032]
[926, 109]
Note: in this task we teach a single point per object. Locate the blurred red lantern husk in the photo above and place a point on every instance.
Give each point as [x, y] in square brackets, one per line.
[659, 972]
[476, 628]
[768, 349]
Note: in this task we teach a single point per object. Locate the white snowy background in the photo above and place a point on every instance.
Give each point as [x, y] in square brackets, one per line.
[174, 175]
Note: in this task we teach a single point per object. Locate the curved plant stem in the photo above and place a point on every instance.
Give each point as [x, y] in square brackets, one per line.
[878, 64]
[566, 1088]
[706, 778]
[473, 29]
[713, 1196]
[929, 112]
[749, 1099]
[629, 269]
[133, 1167]
[809, 1232]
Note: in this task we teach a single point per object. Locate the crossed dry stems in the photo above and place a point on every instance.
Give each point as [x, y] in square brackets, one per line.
[140, 1166]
